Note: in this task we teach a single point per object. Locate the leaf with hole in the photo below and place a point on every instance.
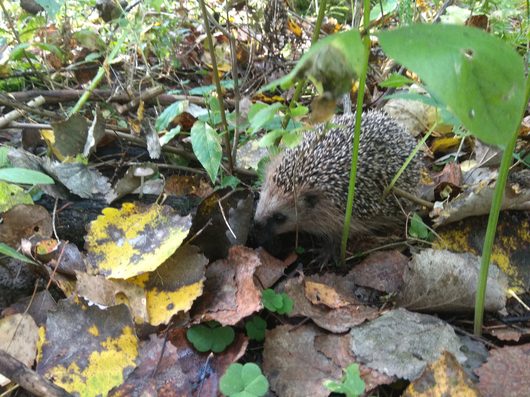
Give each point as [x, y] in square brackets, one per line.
[478, 76]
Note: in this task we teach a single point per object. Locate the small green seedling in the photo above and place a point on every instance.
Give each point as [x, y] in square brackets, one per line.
[256, 327]
[351, 383]
[418, 229]
[243, 381]
[210, 337]
[278, 303]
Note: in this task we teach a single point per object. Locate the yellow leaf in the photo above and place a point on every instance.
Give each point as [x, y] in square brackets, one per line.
[134, 240]
[174, 286]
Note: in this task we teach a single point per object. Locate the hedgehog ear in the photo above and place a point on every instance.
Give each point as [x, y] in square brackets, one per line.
[311, 199]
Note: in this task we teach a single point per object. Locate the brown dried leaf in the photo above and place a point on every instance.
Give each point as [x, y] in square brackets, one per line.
[382, 271]
[334, 320]
[180, 371]
[24, 221]
[292, 364]
[272, 269]
[506, 373]
[230, 292]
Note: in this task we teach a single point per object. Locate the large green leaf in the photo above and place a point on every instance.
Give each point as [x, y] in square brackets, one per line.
[206, 144]
[478, 76]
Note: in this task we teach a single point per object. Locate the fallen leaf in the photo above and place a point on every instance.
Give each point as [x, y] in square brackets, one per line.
[292, 364]
[88, 350]
[230, 292]
[18, 337]
[403, 343]
[334, 320]
[511, 248]
[442, 281]
[24, 221]
[444, 377]
[134, 240]
[506, 372]
[382, 271]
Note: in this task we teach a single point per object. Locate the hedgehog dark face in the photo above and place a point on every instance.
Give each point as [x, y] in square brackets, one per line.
[278, 212]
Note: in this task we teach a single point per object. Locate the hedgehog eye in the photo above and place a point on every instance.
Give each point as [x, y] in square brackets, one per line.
[279, 218]
[311, 200]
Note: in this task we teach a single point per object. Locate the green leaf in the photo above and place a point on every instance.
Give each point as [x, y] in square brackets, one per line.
[418, 229]
[51, 7]
[19, 51]
[169, 113]
[255, 328]
[172, 133]
[351, 384]
[279, 303]
[206, 145]
[263, 116]
[478, 76]
[25, 177]
[395, 81]
[210, 337]
[207, 89]
[13, 253]
[270, 138]
[388, 6]
[243, 380]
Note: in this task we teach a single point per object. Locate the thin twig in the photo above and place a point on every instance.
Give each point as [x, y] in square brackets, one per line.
[228, 147]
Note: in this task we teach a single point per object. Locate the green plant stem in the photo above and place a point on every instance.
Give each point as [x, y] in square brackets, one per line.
[489, 239]
[408, 160]
[490, 234]
[97, 79]
[301, 84]
[218, 88]
[357, 133]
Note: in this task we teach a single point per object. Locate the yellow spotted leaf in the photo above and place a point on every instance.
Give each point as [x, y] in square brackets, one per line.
[445, 377]
[174, 286]
[88, 350]
[134, 240]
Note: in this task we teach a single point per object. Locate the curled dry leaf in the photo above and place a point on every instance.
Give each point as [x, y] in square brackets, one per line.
[334, 320]
[443, 281]
[477, 200]
[24, 221]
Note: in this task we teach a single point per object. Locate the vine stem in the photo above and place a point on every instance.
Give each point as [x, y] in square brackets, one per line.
[357, 133]
[218, 88]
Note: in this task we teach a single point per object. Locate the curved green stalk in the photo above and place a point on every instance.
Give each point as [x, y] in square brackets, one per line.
[489, 239]
[408, 160]
[357, 132]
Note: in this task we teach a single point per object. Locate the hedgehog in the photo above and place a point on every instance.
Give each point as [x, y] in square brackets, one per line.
[305, 188]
